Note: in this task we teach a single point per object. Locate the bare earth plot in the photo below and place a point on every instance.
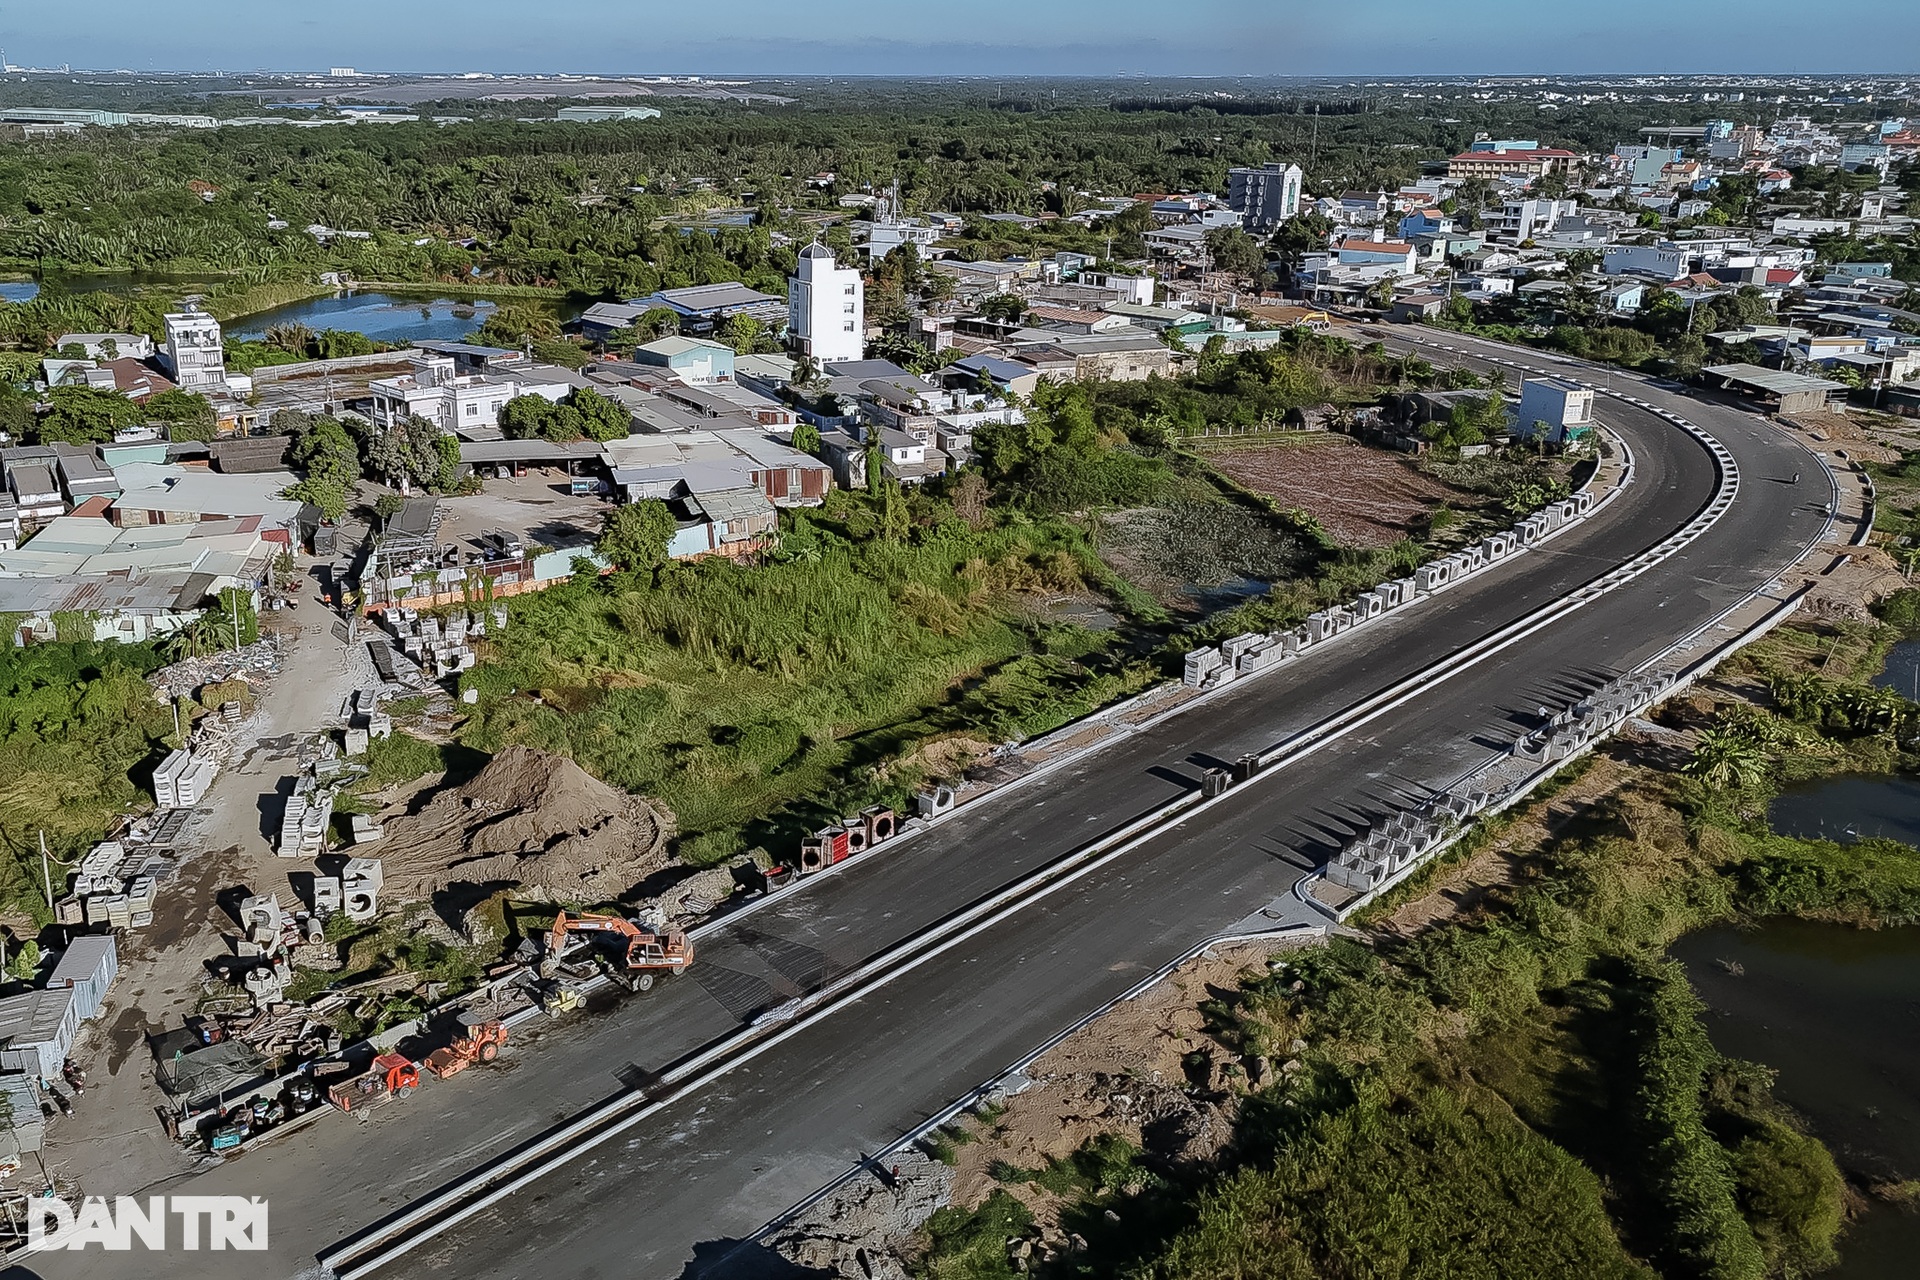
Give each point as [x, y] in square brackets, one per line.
[1363, 497]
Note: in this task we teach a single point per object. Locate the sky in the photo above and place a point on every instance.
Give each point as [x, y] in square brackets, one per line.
[971, 37]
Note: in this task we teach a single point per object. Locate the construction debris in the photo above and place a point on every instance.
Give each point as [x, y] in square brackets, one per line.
[255, 663]
[529, 819]
[443, 645]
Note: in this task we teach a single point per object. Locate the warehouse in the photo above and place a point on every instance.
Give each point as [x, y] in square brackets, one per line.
[1775, 390]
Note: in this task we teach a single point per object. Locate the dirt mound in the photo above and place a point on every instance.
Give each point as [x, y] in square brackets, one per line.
[530, 819]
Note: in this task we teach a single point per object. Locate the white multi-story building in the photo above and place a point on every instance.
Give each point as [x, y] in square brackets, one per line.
[1554, 410]
[826, 308]
[195, 359]
[1524, 219]
[454, 401]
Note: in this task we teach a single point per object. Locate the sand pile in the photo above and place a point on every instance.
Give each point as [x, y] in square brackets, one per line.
[531, 819]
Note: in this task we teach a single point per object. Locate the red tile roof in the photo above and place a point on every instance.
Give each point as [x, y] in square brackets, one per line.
[1538, 153]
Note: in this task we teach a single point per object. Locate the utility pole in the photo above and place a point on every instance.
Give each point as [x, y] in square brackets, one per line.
[236, 616]
[46, 876]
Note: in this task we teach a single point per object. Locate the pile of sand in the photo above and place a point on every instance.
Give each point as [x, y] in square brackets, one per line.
[529, 819]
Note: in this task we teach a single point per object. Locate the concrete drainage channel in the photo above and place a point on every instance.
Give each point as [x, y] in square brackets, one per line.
[388, 1242]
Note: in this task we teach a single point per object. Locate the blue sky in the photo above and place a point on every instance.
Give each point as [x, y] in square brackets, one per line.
[971, 37]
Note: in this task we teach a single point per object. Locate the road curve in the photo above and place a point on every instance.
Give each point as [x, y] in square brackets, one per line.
[678, 1193]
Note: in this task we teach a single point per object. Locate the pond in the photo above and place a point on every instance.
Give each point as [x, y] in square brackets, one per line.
[19, 290]
[1836, 1011]
[382, 316]
[1850, 806]
[1902, 674]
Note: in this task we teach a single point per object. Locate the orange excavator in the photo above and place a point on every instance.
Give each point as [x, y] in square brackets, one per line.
[646, 953]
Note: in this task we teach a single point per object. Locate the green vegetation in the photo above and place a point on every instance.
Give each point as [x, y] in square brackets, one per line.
[1527, 1089]
[583, 414]
[78, 724]
[757, 700]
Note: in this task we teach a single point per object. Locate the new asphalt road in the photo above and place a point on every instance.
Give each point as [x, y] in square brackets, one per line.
[678, 1193]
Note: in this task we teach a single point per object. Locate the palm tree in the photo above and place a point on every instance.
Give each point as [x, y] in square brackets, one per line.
[1728, 760]
[291, 337]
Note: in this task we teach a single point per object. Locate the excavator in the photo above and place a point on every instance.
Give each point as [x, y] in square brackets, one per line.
[647, 953]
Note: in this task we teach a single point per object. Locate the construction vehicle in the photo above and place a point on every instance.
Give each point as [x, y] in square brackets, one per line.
[478, 1041]
[392, 1075]
[646, 953]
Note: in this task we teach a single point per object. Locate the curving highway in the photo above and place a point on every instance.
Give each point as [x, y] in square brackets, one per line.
[677, 1193]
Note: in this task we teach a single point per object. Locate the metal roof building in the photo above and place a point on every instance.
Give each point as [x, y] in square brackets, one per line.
[1776, 389]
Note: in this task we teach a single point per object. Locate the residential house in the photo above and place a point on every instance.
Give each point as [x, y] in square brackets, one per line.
[826, 307]
[664, 464]
[1531, 216]
[194, 357]
[1503, 160]
[907, 458]
[1557, 411]
[1181, 240]
[1071, 320]
[1662, 261]
[1370, 253]
[457, 402]
[694, 361]
[109, 346]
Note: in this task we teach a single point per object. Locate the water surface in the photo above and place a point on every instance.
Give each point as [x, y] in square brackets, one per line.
[1850, 806]
[1836, 1012]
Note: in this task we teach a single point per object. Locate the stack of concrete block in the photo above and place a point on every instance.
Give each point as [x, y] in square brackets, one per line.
[1431, 577]
[1532, 529]
[1200, 664]
[366, 829]
[262, 920]
[99, 870]
[360, 888]
[165, 792]
[1232, 647]
[192, 781]
[140, 894]
[304, 823]
[1499, 545]
[931, 804]
[327, 896]
[267, 983]
[1264, 652]
[1583, 502]
[291, 820]
[1370, 604]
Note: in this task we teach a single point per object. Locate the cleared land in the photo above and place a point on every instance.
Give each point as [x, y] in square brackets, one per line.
[1363, 497]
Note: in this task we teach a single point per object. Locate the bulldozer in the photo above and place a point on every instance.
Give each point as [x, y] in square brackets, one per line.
[645, 954]
[478, 1040]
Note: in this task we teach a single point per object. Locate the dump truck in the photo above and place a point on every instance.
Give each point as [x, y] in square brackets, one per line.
[478, 1040]
[391, 1075]
[644, 952]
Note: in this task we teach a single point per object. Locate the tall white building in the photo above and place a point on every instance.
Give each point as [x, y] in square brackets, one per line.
[826, 308]
[195, 359]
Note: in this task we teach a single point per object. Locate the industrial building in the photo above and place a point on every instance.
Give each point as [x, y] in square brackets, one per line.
[1775, 390]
